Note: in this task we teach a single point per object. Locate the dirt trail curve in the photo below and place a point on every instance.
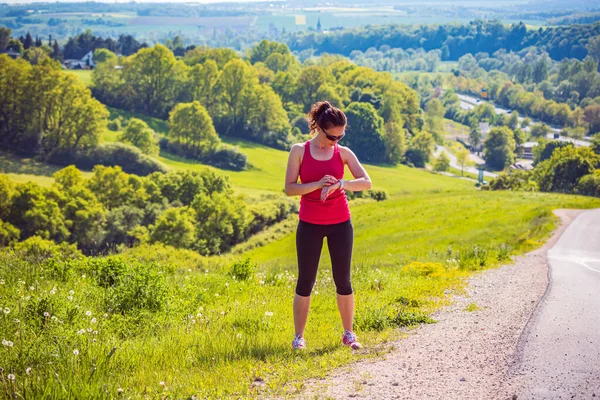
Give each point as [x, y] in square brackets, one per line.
[465, 355]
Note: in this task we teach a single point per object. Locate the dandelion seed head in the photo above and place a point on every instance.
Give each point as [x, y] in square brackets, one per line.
[76, 352]
[28, 371]
[46, 314]
[11, 377]
[88, 313]
[53, 292]
[6, 310]
[71, 291]
[93, 320]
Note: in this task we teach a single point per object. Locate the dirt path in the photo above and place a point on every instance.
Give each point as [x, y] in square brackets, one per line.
[465, 354]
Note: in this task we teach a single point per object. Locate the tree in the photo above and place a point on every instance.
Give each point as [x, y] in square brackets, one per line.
[513, 121]
[153, 79]
[499, 148]
[105, 55]
[442, 163]
[308, 83]
[28, 42]
[139, 134]
[364, 132]
[203, 85]
[268, 121]
[593, 47]
[175, 227]
[395, 139]
[595, 145]
[562, 171]
[475, 136]
[192, 127]
[266, 48]
[237, 81]
[462, 158]
[592, 118]
[5, 36]
[420, 149]
[434, 119]
[35, 55]
[540, 130]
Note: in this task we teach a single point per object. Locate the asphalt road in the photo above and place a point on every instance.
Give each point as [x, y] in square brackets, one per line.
[454, 162]
[559, 352]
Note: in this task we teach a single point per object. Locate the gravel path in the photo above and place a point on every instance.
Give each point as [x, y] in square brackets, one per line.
[465, 354]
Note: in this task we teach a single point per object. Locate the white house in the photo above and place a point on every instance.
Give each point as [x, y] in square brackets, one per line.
[86, 62]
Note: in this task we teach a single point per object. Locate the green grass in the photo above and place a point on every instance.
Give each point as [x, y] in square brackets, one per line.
[23, 169]
[85, 75]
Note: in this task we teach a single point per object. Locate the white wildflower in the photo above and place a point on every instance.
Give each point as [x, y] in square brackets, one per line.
[239, 335]
[89, 329]
[70, 297]
[162, 383]
[81, 331]
[52, 291]
[268, 313]
[6, 310]
[31, 288]
[71, 292]
[11, 377]
[93, 320]
[46, 314]
[28, 371]
[76, 352]
[120, 390]
[88, 313]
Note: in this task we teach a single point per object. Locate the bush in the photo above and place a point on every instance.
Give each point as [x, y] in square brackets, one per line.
[242, 269]
[140, 287]
[375, 194]
[8, 233]
[114, 125]
[38, 249]
[423, 269]
[129, 158]
[225, 157]
[517, 180]
[589, 185]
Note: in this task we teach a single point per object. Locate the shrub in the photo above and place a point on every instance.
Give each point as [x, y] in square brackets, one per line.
[242, 269]
[8, 233]
[517, 180]
[38, 249]
[225, 157]
[129, 158]
[589, 185]
[141, 286]
[114, 124]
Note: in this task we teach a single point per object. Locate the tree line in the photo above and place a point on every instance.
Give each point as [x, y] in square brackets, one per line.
[263, 96]
[191, 210]
[454, 40]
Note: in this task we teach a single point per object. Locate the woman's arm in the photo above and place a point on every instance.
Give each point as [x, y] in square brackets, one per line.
[292, 187]
[361, 180]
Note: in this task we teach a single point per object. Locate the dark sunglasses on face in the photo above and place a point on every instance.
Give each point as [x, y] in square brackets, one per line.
[332, 137]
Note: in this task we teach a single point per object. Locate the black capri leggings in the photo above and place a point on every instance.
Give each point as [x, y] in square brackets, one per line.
[309, 242]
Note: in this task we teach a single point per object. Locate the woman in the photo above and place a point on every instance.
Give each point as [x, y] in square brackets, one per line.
[324, 212]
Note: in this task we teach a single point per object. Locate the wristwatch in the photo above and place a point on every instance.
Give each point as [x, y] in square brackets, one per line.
[341, 181]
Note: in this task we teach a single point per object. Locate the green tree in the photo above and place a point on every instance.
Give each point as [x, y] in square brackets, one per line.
[5, 36]
[420, 149]
[462, 158]
[592, 118]
[175, 227]
[104, 55]
[139, 134]
[266, 48]
[153, 80]
[442, 163]
[203, 84]
[237, 81]
[114, 188]
[221, 222]
[499, 148]
[540, 130]
[192, 127]
[307, 85]
[562, 171]
[434, 119]
[364, 132]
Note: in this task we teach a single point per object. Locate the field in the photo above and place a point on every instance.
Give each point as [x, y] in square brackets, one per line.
[222, 317]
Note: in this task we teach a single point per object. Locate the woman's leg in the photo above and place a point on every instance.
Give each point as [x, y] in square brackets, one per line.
[340, 241]
[309, 242]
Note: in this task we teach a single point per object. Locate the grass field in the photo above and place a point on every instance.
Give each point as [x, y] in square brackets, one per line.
[85, 75]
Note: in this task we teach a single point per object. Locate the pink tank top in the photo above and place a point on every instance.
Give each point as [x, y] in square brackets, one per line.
[335, 208]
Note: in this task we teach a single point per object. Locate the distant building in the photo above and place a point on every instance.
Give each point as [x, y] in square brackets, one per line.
[12, 54]
[528, 149]
[86, 62]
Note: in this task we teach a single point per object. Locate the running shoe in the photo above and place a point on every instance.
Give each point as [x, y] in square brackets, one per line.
[349, 339]
[298, 343]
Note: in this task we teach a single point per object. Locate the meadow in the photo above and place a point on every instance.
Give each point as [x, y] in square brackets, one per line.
[174, 324]
[153, 321]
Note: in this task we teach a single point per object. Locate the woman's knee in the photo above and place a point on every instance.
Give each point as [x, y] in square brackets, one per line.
[304, 287]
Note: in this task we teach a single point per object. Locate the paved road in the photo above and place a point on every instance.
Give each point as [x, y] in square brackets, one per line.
[470, 102]
[559, 356]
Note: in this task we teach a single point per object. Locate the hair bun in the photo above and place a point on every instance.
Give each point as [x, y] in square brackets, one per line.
[325, 106]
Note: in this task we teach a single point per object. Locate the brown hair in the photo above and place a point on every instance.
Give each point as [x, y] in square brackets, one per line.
[324, 115]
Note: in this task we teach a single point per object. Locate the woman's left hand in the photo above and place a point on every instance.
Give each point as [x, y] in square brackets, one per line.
[327, 190]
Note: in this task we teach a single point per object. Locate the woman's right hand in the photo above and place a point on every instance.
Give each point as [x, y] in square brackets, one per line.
[327, 180]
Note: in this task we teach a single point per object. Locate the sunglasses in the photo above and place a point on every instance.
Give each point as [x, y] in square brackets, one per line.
[331, 137]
